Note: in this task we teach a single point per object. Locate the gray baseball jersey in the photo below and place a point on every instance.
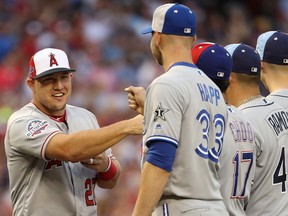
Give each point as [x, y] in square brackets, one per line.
[40, 186]
[184, 107]
[237, 162]
[269, 192]
[280, 97]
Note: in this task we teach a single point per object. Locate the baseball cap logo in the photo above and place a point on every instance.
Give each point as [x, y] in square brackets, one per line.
[187, 30]
[53, 60]
[254, 69]
[220, 74]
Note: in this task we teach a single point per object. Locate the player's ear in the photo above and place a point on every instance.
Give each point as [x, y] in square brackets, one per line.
[262, 67]
[71, 75]
[232, 77]
[194, 39]
[158, 38]
[30, 82]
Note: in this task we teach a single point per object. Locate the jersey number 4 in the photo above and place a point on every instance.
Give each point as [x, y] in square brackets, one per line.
[280, 174]
[219, 125]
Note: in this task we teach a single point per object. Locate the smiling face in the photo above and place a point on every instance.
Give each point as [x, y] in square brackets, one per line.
[51, 92]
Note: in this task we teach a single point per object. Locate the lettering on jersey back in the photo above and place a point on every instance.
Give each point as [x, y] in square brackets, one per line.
[278, 121]
[242, 131]
[53, 163]
[209, 93]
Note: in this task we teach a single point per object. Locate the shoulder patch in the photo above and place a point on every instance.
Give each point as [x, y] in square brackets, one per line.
[35, 127]
[159, 112]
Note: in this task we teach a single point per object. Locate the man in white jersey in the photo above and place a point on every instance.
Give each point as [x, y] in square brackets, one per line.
[56, 153]
[273, 49]
[269, 192]
[184, 122]
[237, 158]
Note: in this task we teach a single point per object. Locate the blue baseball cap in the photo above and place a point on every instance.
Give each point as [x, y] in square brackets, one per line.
[213, 59]
[245, 59]
[174, 19]
[272, 47]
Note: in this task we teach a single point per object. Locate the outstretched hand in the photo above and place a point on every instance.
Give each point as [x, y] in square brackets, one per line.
[136, 98]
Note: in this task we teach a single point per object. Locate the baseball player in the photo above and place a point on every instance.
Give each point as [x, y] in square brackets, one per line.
[272, 47]
[269, 190]
[237, 158]
[184, 122]
[56, 153]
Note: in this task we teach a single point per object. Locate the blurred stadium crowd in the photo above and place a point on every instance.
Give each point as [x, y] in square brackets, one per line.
[105, 46]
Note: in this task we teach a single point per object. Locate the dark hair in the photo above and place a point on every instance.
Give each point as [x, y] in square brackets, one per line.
[247, 78]
[222, 84]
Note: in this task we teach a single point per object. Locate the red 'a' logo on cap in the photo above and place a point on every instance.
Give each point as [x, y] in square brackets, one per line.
[53, 60]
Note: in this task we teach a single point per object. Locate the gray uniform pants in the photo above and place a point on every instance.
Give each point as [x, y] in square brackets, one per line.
[190, 207]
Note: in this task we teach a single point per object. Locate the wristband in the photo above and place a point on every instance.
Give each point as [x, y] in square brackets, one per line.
[108, 166]
[109, 173]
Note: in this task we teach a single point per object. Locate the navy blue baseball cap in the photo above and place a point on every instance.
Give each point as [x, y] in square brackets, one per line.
[174, 19]
[245, 59]
[272, 47]
[213, 59]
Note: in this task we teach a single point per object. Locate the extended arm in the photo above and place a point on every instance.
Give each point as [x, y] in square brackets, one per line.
[86, 144]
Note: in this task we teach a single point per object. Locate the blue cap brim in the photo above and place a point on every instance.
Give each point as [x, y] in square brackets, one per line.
[147, 30]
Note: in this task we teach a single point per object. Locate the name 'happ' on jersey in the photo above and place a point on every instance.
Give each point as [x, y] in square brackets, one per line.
[209, 93]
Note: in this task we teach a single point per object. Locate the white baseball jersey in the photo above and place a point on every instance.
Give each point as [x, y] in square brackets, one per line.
[237, 162]
[47, 187]
[269, 192]
[184, 107]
